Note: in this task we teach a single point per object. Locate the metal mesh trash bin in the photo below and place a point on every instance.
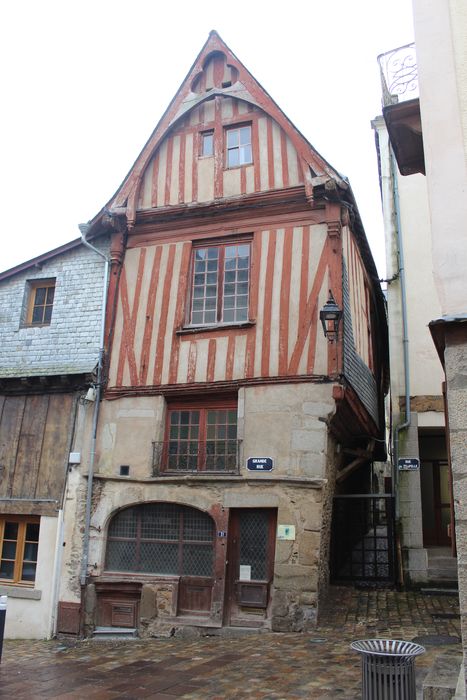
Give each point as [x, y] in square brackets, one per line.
[388, 668]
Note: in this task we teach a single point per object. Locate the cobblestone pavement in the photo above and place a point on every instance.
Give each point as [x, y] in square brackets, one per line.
[317, 665]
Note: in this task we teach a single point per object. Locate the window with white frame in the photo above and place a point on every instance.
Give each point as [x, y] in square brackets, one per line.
[238, 146]
[220, 284]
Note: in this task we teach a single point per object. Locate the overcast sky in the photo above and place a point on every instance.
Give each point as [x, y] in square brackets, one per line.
[84, 83]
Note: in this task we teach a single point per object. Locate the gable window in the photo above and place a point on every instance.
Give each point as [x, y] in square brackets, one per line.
[207, 143]
[161, 538]
[201, 438]
[238, 144]
[220, 284]
[40, 302]
[19, 541]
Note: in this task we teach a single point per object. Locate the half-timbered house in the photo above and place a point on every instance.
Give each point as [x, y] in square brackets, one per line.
[227, 410]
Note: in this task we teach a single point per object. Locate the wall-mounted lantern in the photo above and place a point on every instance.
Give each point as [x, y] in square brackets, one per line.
[330, 317]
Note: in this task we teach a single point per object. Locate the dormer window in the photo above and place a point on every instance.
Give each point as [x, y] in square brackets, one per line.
[238, 146]
[40, 302]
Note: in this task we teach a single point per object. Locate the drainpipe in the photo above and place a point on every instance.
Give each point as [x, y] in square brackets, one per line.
[405, 336]
[87, 520]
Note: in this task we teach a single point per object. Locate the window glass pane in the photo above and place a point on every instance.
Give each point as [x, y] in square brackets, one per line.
[197, 526]
[200, 254]
[47, 314]
[197, 560]
[50, 295]
[197, 317]
[32, 532]
[124, 524]
[121, 556]
[37, 314]
[233, 158]
[208, 144]
[9, 550]
[159, 558]
[229, 315]
[28, 572]
[232, 138]
[253, 542]
[11, 531]
[245, 135]
[212, 265]
[7, 569]
[210, 317]
[245, 154]
[40, 296]
[241, 315]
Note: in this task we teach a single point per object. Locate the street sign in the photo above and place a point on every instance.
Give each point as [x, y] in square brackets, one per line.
[259, 464]
[408, 464]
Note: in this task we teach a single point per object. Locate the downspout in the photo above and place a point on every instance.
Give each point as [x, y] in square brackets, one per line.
[405, 336]
[100, 362]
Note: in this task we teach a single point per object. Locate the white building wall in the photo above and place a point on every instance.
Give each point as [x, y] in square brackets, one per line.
[30, 610]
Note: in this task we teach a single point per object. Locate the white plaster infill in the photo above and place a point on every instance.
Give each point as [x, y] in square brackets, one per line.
[300, 482]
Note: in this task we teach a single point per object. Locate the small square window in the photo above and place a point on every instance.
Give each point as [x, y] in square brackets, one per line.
[207, 143]
[41, 295]
[238, 146]
[19, 542]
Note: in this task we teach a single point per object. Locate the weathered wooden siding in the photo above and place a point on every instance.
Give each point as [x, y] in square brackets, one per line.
[359, 297]
[34, 443]
[289, 283]
[178, 174]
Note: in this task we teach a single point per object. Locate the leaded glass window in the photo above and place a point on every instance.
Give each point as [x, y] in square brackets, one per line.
[161, 539]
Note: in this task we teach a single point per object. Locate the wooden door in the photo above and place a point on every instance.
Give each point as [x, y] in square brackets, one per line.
[250, 566]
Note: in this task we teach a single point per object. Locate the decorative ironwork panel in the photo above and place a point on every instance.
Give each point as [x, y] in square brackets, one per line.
[362, 546]
[399, 74]
[254, 542]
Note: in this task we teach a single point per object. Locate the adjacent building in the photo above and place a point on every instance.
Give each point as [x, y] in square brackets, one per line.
[246, 369]
[429, 135]
[416, 410]
[50, 311]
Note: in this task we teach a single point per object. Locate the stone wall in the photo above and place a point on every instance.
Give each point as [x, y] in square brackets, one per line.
[455, 357]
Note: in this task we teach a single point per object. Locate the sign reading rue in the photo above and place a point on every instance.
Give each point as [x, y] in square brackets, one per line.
[408, 464]
[260, 464]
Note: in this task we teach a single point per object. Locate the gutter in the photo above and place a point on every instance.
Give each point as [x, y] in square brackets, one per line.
[405, 337]
[84, 228]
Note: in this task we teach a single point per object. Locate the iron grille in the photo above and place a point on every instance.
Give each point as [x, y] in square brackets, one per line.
[218, 457]
[362, 544]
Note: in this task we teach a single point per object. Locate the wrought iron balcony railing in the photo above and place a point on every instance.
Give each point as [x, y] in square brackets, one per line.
[399, 74]
[170, 458]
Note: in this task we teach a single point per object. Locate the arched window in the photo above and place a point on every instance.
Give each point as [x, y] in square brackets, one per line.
[161, 538]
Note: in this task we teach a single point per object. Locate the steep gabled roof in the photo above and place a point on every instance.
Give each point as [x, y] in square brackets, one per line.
[246, 88]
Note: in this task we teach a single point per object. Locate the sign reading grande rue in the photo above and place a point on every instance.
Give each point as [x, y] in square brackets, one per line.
[260, 464]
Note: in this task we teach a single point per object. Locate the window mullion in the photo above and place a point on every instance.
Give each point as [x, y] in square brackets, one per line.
[220, 282]
[202, 440]
[17, 575]
[180, 543]
[138, 543]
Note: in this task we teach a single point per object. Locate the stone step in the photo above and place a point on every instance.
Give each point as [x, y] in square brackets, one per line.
[115, 633]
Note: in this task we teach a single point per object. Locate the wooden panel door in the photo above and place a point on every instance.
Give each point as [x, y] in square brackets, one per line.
[250, 566]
